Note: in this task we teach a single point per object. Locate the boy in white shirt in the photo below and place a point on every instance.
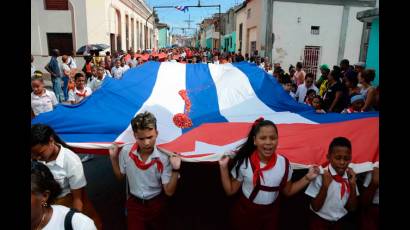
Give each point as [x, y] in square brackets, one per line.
[80, 91]
[149, 173]
[117, 70]
[335, 192]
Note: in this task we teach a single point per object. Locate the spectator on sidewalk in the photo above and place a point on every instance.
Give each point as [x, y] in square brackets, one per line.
[333, 99]
[71, 62]
[66, 75]
[303, 88]
[54, 69]
[299, 76]
[367, 90]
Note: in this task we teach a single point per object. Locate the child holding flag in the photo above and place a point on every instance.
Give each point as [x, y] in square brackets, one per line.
[262, 175]
[149, 173]
[335, 192]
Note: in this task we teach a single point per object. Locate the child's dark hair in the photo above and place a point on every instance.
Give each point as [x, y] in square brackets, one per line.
[40, 134]
[245, 150]
[42, 180]
[309, 92]
[368, 75]
[341, 142]
[352, 78]
[37, 78]
[145, 120]
[78, 75]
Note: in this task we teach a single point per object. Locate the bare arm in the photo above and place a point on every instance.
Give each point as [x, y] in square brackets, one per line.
[370, 99]
[230, 185]
[292, 188]
[78, 198]
[171, 186]
[114, 156]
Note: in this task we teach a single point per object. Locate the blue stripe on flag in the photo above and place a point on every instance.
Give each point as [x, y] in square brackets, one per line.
[202, 94]
[336, 117]
[269, 91]
[104, 115]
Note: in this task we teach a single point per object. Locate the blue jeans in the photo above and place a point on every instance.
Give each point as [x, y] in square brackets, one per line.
[57, 88]
[65, 80]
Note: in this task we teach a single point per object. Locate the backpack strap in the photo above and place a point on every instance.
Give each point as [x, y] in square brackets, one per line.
[68, 225]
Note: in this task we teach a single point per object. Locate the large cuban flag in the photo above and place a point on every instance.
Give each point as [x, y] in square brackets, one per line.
[218, 104]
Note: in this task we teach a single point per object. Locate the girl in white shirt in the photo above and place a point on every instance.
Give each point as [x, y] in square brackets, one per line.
[261, 174]
[66, 167]
[44, 190]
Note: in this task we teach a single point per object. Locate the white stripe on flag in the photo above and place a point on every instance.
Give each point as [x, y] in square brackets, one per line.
[239, 103]
[164, 102]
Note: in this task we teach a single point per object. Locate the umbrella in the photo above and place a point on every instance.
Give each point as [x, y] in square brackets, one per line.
[96, 47]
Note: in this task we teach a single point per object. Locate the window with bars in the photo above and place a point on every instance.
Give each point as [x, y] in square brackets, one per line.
[56, 4]
[311, 59]
[314, 30]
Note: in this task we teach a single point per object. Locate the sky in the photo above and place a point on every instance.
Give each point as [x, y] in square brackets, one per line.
[176, 18]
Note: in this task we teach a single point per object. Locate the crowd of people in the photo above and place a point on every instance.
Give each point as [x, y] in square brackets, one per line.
[342, 89]
[256, 171]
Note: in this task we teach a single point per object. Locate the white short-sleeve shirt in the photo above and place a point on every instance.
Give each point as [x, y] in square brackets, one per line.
[334, 207]
[272, 178]
[79, 221]
[302, 90]
[145, 184]
[117, 72]
[73, 94]
[96, 83]
[43, 103]
[68, 171]
[366, 184]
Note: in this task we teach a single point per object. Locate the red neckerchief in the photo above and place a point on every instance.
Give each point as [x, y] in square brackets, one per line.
[140, 164]
[344, 182]
[350, 110]
[255, 161]
[81, 94]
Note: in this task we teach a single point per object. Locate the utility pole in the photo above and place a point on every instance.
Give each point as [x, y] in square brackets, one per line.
[189, 21]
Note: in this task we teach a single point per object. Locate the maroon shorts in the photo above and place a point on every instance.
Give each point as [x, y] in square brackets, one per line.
[146, 214]
[370, 218]
[318, 223]
[247, 215]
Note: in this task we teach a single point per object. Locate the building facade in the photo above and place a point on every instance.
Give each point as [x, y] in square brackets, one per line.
[228, 31]
[163, 35]
[70, 24]
[316, 32]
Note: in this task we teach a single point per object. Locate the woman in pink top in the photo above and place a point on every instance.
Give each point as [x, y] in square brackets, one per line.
[300, 74]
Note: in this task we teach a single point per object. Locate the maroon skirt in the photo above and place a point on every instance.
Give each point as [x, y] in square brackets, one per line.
[247, 215]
